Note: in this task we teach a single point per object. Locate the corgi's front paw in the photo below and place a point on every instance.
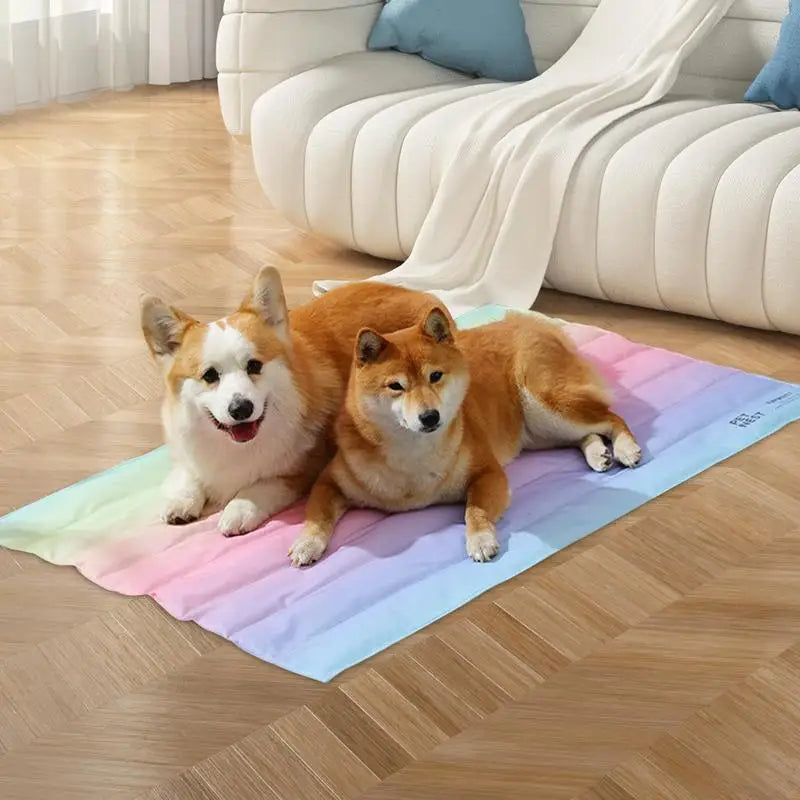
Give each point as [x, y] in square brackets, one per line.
[240, 516]
[482, 545]
[183, 507]
[307, 549]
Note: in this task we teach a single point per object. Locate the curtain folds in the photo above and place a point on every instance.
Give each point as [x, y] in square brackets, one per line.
[63, 49]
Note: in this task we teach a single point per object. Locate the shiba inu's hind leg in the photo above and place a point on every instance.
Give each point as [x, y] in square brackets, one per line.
[596, 424]
[580, 415]
[624, 448]
[597, 453]
[564, 401]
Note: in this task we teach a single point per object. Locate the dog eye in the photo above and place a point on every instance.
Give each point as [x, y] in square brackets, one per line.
[396, 387]
[254, 367]
[436, 376]
[211, 375]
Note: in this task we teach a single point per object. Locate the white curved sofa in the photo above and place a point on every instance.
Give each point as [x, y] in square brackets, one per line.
[691, 205]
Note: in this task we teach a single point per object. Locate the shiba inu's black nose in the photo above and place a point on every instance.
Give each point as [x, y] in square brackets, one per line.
[240, 409]
[429, 419]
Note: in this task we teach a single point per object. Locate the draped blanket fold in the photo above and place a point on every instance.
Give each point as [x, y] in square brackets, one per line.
[490, 230]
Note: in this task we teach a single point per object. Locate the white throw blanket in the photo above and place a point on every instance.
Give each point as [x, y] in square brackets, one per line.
[489, 233]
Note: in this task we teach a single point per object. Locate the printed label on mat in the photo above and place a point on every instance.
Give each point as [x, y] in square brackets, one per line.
[748, 418]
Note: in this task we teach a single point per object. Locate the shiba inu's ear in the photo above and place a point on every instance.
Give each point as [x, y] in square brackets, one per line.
[369, 346]
[163, 326]
[267, 299]
[437, 325]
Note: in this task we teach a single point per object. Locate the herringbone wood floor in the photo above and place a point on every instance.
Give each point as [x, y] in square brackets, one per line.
[657, 660]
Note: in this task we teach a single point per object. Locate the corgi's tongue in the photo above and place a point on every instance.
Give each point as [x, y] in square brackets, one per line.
[244, 431]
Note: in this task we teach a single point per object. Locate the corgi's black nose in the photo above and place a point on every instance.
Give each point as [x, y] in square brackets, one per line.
[240, 409]
[429, 419]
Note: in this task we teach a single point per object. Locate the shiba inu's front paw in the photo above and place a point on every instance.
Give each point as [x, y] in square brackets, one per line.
[482, 545]
[307, 549]
[627, 450]
[183, 508]
[240, 516]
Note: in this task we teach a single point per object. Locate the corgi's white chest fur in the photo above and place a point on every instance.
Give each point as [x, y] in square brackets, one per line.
[224, 466]
[413, 471]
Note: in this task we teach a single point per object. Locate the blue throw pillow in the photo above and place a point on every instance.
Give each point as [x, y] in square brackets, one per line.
[779, 81]
[482, 37]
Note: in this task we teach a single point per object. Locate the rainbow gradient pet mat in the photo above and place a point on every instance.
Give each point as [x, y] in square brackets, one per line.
[385, 577]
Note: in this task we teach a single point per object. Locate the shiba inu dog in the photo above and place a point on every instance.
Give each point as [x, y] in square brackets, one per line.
[433, 414]
[250, 399]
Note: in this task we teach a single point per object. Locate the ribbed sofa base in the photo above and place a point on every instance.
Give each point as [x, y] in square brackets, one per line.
[691, 205]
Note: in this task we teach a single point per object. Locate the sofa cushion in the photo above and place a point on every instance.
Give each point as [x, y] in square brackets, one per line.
[481, 37]
[285, 120]
[779, 81]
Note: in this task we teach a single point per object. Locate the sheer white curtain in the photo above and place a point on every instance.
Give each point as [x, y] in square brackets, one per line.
[63, 49]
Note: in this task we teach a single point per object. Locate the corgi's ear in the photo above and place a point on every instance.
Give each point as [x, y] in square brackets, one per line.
[163, 326]
[369, 346]
[267, 299]
[437, 325]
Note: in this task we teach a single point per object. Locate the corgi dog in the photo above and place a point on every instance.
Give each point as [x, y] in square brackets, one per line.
[432, 415]
[250, 399]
